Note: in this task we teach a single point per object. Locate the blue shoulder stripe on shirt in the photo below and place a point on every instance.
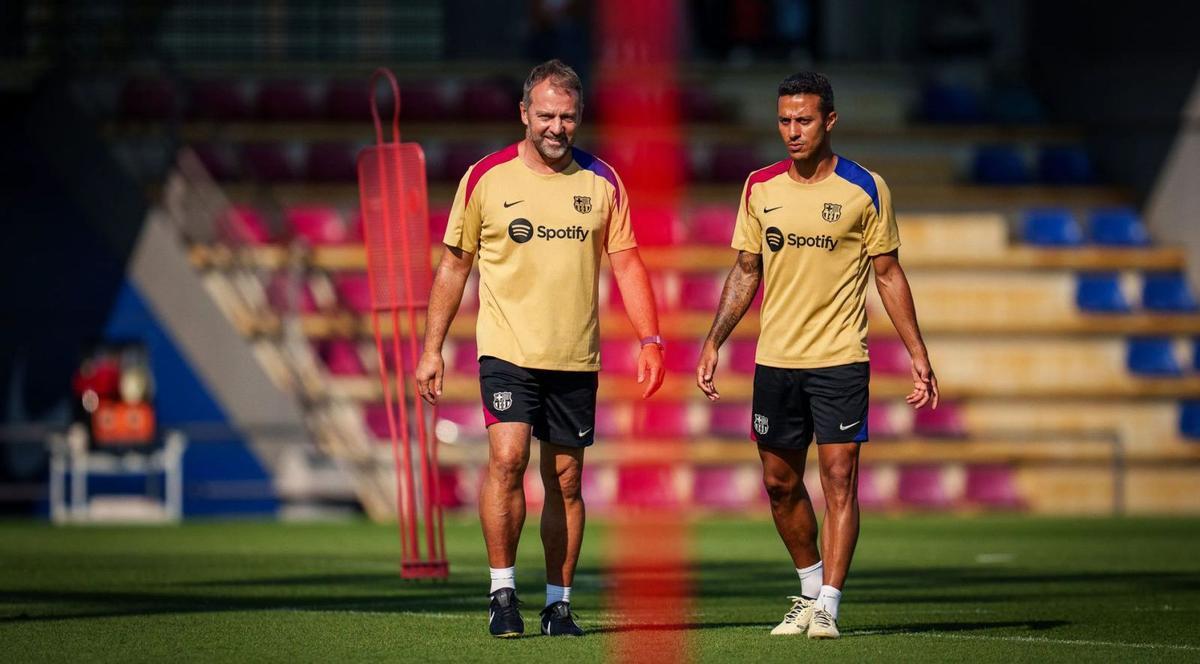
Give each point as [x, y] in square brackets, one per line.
[589, 162]
[852, 172]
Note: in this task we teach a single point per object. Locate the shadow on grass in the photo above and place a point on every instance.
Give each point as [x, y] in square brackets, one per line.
[919, 628]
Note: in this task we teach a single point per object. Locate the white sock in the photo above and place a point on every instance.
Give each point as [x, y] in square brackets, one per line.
[828, 599]
[810, 579]
[557, 594]
[503, 577]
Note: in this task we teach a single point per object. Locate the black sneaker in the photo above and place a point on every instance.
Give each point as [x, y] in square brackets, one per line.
[558, 620]
[504, 614]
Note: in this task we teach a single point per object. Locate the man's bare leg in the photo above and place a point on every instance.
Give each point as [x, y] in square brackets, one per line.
[563, 513]
[791, 508]
[502, 496]
[839, 531]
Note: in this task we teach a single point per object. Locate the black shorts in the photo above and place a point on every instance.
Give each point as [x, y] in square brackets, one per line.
[790, 405]
[560, 405]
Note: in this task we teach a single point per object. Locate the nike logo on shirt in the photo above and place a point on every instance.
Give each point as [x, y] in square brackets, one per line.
[770, 210]
[508, 205]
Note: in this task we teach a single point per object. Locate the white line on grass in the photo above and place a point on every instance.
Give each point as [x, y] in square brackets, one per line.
[1029, 639]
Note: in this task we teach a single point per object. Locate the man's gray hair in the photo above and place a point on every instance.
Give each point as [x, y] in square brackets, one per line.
[560, 75]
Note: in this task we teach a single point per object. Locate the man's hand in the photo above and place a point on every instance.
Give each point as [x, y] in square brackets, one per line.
[650, 367]
[705, 370]
[429, 376]
[925, 385]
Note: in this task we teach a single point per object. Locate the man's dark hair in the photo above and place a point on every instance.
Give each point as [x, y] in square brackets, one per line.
[809, 83]
[560, 75]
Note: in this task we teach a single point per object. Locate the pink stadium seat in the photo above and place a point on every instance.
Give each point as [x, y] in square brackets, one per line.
[219, 160]
[659, 419]
[880, 423]
[719, 488]
[354, 228]
[700, 291]
[712, 224]
[738, 356]
[655, 226]
[490, 100]
[467, 416]
[619, 356]
[282, 289]
[465, 359]
[734, 162]
[730, 419]
[870, 494]
[992, 486]
[375, 416]
[449, 493]
[348, 100]
[353, 291]
[699, 105]
[318, 224]
[598, 494]
[945, 422]
[646, 486]
[220, 99]
[242, 224]
[439, 217]
[922, 487]
[341, 357]
[288, 100]
[148, 99]
[608, 422]
[681, 357]
[329, 161]
[889, 357]
[272, 162]
[422, 101]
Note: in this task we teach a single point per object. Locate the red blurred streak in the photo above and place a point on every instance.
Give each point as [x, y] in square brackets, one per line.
[638, 98]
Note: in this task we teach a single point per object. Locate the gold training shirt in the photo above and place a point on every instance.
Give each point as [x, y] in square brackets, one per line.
[815, 240]
[539, 239]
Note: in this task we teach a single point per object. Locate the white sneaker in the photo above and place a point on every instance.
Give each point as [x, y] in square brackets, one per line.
[796, 621]
[822, 625]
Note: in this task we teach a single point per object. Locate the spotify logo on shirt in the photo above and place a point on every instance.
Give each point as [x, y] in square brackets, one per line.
[520, 230]
[774, 238]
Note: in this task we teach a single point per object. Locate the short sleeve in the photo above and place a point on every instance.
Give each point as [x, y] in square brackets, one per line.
[619, 233]
[747, 230]
[881, 234]
[466, 219]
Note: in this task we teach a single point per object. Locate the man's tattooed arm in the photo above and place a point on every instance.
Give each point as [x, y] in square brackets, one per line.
[740, 287]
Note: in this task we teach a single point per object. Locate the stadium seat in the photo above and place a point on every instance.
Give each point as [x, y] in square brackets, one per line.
[880, 422]
[465, 358]
[889, 357]
[739, 355]
[682, 355]
[329, 161]
[458, 157]
[598, 487]
[420, 101]
[619, 356]
[148, 99]
[317, 224]
[353, 291]
[734, 162]
[242, 224]
[723, 488]
[1117, 227]
[348, 100]
[698, 104]
[1100, 292]
[922, 487]
[341, 357]
[610, 424]
[948, 103]
[1152, 356]
[646, 486]
[439, 218]
[287, 100]
[375, 417]
[870, 489]
[944, 422]
[992, 486]
[287, 295]
[460, 421]
[999, 164]
[730, 419]
[220, 99]
[658, 282]
[655, 226]
[450, 493]
[272, 162]
[219, 160]
[712, 224]
[1065, 165]
[700, 291]
[488, 100]
[1189, 419]
[1167, 292]
[1051, 227]
[658, 419]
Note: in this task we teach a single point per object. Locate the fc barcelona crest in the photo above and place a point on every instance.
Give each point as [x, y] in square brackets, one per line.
[760, 424]
[502, 400]
[832, 212]
[583, 204]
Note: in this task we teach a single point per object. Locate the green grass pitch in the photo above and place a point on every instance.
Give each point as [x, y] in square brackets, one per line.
[921, 588]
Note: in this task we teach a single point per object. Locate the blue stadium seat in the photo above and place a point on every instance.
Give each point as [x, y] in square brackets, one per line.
[1100, 292]
[1168, 292]
[1152, 356]
[1052, 227]
[999, 164]
[1189, 419]
[944, 103]
[1117, 227]
[1065, 164]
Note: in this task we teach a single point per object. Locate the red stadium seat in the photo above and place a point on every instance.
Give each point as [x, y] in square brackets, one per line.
[712, 224]
[611, 421]
[449, 492]
[354, 291]
[348, 100]
[700, 291]
[738, 356]
[599, 487]
[220, 99]
[922, 487]
[439, 218]
[317, 224]
[880, 423]
[658, 282]
[730, 420]
[288, 100]
[725, 488]
[421, 101]
[490, 100]
[341, 357]
[992, 486]
[682, 356]
[465, 359]
[375, 417]
[646, 486]
[653, 419]
[889, 357]
[331, 162]
[655, 226]
[945, 422]
[619, 356]
[467, 418]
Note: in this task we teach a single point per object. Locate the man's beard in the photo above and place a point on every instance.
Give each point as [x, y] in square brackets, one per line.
[550, 152]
